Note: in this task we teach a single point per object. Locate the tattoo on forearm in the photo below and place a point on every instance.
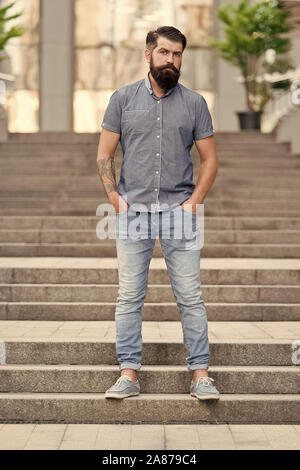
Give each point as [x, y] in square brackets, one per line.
[106, 170]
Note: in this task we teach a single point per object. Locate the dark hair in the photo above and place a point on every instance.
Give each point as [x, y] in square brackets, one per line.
[168, 32]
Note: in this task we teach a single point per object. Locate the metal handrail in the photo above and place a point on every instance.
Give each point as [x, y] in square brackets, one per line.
[7, 77]
[273, 77]
[293, 75]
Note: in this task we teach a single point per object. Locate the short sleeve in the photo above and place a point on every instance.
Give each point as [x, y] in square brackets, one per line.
[203, 121]
[113, 113]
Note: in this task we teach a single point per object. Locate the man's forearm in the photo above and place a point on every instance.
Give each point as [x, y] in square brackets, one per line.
[207, 175]
[106, 170]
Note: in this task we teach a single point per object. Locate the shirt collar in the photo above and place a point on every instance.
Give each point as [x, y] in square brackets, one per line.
[149, 87]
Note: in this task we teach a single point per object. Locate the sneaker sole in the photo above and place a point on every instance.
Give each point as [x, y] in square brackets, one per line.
[205, 397]
[118, 395]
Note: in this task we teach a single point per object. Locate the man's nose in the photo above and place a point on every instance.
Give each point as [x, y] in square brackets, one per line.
[170, 58]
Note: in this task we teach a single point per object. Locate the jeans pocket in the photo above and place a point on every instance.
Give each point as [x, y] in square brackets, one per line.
[123, 212]
[187, 212]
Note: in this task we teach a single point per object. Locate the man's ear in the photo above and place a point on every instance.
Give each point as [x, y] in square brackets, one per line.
[147, 55]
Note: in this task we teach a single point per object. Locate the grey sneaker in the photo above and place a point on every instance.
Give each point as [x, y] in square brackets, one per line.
[203, 389]
[124, 387]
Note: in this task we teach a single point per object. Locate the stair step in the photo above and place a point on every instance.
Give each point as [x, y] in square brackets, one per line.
[39, 378]
[61, 209]
[215, 195]
[249, 136]
[13, 222]
[239, 352]
[75, 156]
[83, 171]
[149, 408]
[214, 236]
[105, 271]
[151, 311]
[93, 203]
[109, 250]
[84, 342]
[53, 137]
[155, 293]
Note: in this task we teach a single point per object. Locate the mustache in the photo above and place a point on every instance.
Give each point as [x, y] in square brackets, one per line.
[169, 67]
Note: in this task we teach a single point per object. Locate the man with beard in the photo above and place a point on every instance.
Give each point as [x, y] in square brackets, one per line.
[157, 120]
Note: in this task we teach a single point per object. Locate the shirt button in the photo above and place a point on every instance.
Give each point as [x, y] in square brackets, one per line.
[158, 101]
[158, 136]
[158, 118]
[157, 172]
[155, 189]
[157, 154]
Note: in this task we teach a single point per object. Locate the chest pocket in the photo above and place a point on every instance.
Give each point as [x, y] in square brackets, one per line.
[136, 120]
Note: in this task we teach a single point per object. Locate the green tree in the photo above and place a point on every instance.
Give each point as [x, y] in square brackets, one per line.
[250, 30]
[7, 34]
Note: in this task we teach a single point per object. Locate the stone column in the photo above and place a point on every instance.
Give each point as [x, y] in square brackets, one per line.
[230, 95]
[56, 65]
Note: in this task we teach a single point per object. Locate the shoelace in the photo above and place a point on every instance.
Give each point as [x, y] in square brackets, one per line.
[121, 378]
[206, 381]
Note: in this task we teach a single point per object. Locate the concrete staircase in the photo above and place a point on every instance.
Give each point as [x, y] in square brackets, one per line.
[58, 286]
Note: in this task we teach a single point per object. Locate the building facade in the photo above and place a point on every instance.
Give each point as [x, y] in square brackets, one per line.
[75, 53]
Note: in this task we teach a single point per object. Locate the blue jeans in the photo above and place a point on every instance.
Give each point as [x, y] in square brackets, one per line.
[182, 257]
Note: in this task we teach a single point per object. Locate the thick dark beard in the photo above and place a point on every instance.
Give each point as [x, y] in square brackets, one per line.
[166, 79]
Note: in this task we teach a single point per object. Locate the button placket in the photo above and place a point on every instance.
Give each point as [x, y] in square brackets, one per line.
[160, 127]
[158, 172]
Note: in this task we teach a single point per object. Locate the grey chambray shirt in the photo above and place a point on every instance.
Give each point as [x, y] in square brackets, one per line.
[156, 135]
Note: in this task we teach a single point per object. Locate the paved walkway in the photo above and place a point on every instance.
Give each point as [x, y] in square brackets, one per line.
[152, 330]
[156, 263]
[148, 437]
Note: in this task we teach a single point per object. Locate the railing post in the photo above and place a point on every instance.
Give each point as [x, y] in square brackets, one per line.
[3, 124]
[7, 81]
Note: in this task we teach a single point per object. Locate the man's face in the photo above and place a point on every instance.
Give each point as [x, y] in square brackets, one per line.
[165, 63]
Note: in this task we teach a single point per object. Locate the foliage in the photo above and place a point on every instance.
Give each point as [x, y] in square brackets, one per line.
[251, 29]
[7, 34]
